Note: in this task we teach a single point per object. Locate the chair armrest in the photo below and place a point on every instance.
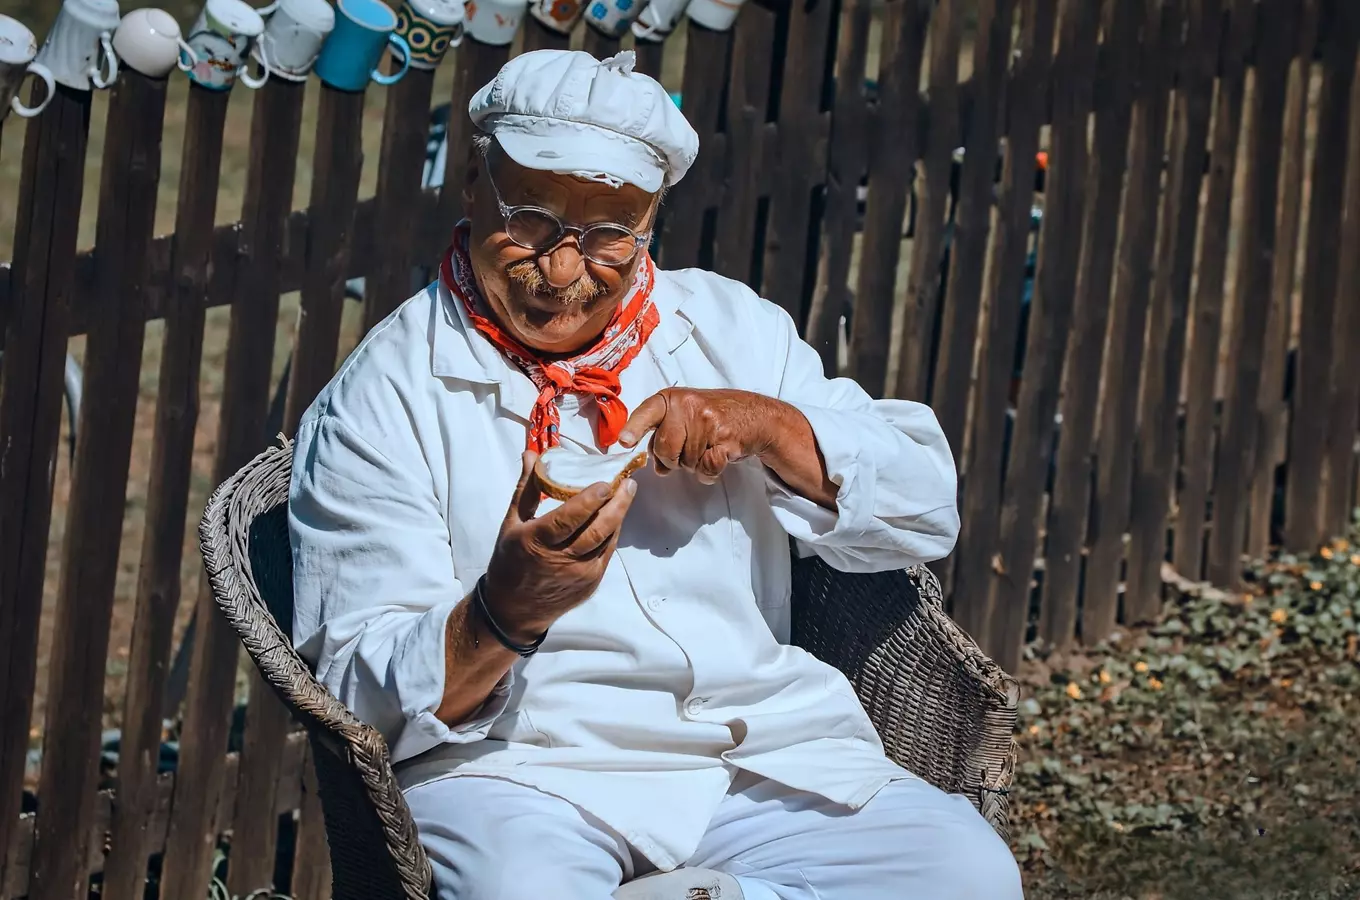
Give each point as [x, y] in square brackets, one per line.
[942, 708]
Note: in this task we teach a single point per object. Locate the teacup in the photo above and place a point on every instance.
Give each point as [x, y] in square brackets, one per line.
[18, 49]
[717, 15]
[612, 17]
[79, 48]
[221, 40]
[149, 41]
[559, 15]
[430, 28]
[658, 20]
[293, 37]
[494, 22]
[350, 57]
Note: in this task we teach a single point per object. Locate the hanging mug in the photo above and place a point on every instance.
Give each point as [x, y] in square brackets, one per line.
[18, 52]
[350, 57]
[79, 48]
[613, 17]
[715, 15]
[494, 22]
[149, 41]
[559, 15]
[658, 20]
[221, 40]
[430, 28]
[293, 37]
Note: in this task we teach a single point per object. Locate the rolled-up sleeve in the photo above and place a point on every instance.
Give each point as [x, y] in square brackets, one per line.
[373, 586]
[896, 503]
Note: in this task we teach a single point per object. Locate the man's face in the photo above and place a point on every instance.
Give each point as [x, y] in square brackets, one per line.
[555, 300]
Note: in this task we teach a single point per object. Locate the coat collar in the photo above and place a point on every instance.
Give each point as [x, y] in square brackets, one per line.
[459, 352]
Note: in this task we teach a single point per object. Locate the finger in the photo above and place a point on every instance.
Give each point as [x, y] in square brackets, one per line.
[668, 443]
[605, 526]
[712, 464]
[557, 527]
[698, 435]
[524, 501]
[647, 416]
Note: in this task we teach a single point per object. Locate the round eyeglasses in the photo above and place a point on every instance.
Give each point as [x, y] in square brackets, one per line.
[538, 229]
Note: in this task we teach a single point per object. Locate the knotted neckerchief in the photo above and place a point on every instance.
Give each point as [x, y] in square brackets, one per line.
[594, 371]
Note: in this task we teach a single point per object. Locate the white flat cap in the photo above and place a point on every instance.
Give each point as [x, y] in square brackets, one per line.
[565, 111]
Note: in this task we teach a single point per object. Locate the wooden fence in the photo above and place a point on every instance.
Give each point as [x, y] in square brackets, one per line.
[1196, 272]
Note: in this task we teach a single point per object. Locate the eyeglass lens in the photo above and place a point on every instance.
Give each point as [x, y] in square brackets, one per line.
[602, 242]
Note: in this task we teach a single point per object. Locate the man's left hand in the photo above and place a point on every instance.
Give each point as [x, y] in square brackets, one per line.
[703, 431]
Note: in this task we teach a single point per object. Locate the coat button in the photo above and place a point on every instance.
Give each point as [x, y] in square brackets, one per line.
[695, 706]
[654, 603]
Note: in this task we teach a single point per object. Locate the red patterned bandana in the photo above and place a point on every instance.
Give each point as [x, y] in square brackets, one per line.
[593, 371]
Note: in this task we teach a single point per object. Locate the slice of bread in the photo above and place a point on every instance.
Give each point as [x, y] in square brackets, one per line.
[565, 472]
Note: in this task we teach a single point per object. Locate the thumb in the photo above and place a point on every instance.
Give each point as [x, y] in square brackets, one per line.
[528, 492]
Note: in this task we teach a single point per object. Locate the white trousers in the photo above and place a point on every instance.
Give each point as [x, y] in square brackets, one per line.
[489, 839]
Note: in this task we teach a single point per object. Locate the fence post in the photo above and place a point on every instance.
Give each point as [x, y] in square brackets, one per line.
[50, 190]
[1027, 101]
[113, 356]
[1196, 463]
[1154, 457]
[158, 582]
[1346, 374]
[1238, 436]
[200, 783]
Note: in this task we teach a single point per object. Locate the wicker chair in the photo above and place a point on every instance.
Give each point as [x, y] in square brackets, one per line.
[944, 710]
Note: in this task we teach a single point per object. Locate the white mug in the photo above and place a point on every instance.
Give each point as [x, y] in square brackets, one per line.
[658, 20]
[149, 41]
[18, 48]
[79, 48]
[716, 15]
[221, 40]
[494, 21]
[293, 37]
[559, 15]
[612, 17]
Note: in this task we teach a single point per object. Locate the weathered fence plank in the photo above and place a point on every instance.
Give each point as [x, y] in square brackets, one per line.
[1128, 323]
[112, 370]
[1339, 29]
[1238, 435]
[892, 160]
[1197, 454]
[1049, 323]
[916, 341]
[475, 65]
[1154, 453]
[50, 190]
[972, 223]
[400, 163]
[1345, 389]
[158, 582]
[980, 528]
[1071, 500]
[275, 130]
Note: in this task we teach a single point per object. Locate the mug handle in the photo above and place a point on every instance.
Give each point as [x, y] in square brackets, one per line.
[244, 72]
[44, 73]
[458, 34]
[187, 58]
[266, 10]
[97, 77]
[399, 44]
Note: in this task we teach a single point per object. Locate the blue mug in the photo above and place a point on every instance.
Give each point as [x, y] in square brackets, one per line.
[350, 56]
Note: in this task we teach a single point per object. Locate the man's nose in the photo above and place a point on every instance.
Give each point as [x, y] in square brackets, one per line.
[563, 265]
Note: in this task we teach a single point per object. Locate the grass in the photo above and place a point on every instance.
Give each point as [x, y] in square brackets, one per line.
[1214, 755]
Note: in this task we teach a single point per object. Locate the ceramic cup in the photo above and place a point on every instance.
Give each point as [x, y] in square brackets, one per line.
[430, 28]
[79, 48]
[612, 17]
[221, 39]
[494, 22]
[293, 37]
[717, 15]
[658, 20]
[18, 49]
[350, 57]
[559, 15]
[149, 41]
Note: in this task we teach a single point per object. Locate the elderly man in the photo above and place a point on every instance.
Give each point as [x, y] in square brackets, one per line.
[600, 692]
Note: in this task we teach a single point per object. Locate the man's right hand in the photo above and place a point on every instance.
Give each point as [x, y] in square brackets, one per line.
[543, 567]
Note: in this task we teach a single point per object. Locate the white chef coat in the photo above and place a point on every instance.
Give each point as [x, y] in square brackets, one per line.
[644, 701]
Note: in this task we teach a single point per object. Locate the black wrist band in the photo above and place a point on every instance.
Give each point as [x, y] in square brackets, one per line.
[479, 600]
